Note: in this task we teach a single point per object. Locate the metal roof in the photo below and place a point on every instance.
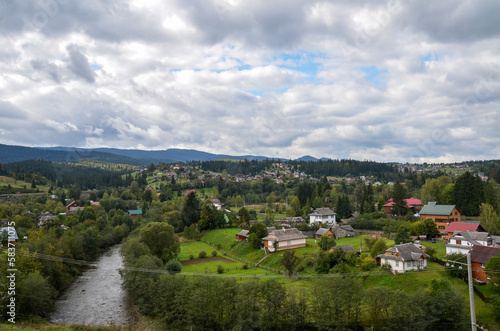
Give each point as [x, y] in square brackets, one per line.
[433, 209]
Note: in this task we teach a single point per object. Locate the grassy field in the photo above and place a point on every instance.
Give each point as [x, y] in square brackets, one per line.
[194, 248]
[438, 246]
[226, 238]
[21, 184]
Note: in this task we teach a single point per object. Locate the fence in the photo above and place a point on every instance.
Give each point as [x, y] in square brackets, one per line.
[256, 265]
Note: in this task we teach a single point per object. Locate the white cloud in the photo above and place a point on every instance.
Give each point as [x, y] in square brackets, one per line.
[283, 78]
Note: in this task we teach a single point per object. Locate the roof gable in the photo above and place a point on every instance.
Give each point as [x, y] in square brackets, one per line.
[286, 234]
[409, 252]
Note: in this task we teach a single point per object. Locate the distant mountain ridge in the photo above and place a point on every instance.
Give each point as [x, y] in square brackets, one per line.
[9, 153]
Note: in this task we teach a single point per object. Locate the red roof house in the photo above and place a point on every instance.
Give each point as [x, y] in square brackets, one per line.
[462, 226]
[411, 203]
[73, 206]
[189, 191]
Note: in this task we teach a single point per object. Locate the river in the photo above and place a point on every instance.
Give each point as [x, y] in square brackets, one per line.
[95, 298]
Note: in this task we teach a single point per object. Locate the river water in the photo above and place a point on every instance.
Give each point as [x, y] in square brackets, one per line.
[95, 298]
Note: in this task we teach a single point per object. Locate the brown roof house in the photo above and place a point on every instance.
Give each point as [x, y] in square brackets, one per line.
[242, 235]
[480, 255]
[284, 239]
[404, 257]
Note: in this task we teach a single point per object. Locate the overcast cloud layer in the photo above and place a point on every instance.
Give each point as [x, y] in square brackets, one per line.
[391, 81]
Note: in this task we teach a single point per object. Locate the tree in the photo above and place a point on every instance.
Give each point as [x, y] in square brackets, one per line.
[403, 235]
[489, 219]
[295, 207]
[289, 261]
[207, 217]
[431, 227]
[260, 231]
[492, 269]
[244, 215]
[325, 243]
[191, 210]
[343, 207]
[161, 240]
[398, 197]
[492, 194]
[378, 248]
[469, 194]
[433, 189]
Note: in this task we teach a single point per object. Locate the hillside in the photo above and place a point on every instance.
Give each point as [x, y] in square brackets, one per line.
[10, 154]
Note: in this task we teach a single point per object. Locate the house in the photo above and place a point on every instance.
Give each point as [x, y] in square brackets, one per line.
[404, 257]
[324, 232]
[134, 213]
[442, 215]
[461, 242]
[342, 231]
[8, 234]
[322, 215]
[294, 220]
[480, 255]
[189, 192]
[46, 217]
[73, 207]
[412, 203]
[242, 235]
[285, 239]
[463, 226]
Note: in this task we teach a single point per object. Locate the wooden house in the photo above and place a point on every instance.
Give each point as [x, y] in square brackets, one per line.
[134, 213]
[442, 215]
[480, 255]
[8, 234]
[242, 235]
[324, 232]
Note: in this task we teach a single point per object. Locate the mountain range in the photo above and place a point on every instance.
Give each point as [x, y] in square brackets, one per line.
[10, 153]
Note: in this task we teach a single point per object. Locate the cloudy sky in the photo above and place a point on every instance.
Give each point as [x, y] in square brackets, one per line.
[385, 81]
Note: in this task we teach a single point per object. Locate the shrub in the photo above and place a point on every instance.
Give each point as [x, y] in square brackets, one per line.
[191, 256]
[220, 269]
[368, 264]
[245, 266]
[386, 266]
[214, 253]
[202, 255]
[173, 266]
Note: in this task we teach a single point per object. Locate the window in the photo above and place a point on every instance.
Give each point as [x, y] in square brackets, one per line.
[289, 243]
[482, 265]
[441, 227]
[459, 242]
[397, 263]
[456, 213]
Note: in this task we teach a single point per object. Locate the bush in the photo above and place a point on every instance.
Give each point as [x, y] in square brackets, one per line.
[173, 266]
[245, 266]
[220, 269]
[368, 264]
[386, 266]
[202, 255]
[191, 256]
[214, 253]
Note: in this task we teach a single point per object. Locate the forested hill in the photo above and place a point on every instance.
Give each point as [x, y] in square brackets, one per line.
[10, 154]
[342, 168]
[319, 168]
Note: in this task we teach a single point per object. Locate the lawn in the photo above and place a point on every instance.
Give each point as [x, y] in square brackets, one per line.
[230, 269]
[194, 248]
[226, 238]
[438, 246]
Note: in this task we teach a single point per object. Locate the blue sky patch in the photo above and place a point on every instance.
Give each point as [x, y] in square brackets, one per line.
[304, 62]
[433, 56]
[371, 74]
[96, 66]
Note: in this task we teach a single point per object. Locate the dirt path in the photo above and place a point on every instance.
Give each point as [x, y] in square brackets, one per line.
[209, 259]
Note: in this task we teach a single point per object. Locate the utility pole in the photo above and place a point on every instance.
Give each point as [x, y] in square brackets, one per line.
[471, 293]
[471, 288]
